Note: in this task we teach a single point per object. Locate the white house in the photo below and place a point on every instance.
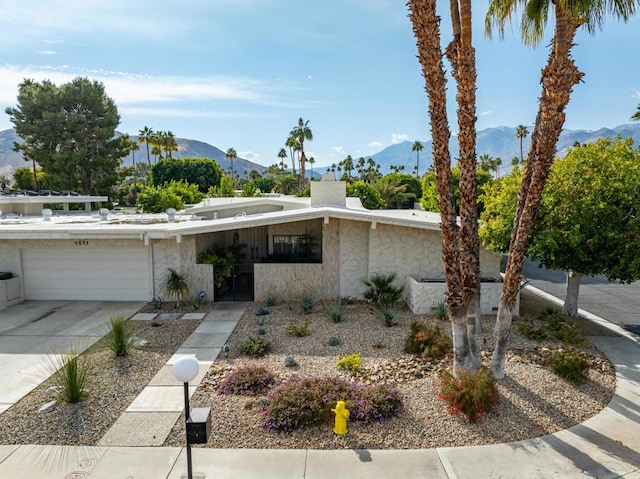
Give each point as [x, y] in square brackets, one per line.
[125, 257]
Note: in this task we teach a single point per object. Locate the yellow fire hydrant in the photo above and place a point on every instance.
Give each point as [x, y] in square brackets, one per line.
[342, 414]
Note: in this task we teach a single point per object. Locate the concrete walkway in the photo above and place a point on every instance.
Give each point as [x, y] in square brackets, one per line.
[606, 446]
[151, 416]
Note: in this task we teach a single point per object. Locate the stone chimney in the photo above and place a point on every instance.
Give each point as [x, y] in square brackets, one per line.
[328, 191]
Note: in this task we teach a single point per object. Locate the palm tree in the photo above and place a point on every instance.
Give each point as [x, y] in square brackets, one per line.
[312, 161]
[292, 143]
[636, 115]
[286, 184]
[302, 132]
[347, 165]
[521, 133]
[232, 155]
[558, 79]
[169, 143]
[282, 154]
[485, 162]
[460, 245]
[146, 136]
[417, 147]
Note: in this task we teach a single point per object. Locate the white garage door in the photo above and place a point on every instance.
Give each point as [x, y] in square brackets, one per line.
[114, 274]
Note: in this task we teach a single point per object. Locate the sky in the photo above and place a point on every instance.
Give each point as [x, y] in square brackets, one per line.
[239, 73]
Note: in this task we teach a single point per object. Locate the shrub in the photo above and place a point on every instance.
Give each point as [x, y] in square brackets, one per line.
[307, 401]
[247, 381]
[70, 377]
[349, 362]
[380, 290]
[389, 316]
[298, 330]
[157, 303]
[335, 313]
[428, 341]
[262, 312]
[254, 347]
[174, 194]
[271, 301]
[262, 331]
[333, 341]
[472, 394]
[119, 340]
[570, 365]
[308, 304]
[554, 327]
[344, 300]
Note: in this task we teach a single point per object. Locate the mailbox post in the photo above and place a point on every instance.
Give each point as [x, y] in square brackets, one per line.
[197, 422]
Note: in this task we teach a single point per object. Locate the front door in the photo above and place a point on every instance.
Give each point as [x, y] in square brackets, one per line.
[238, 286]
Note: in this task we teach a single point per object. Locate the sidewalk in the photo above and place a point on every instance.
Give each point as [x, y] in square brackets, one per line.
[605, 446]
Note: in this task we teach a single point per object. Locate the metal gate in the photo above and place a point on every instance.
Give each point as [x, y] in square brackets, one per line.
[238, 286]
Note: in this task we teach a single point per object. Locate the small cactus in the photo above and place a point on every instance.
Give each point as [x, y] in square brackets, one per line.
[271, 301]
[333, 341]
[262, 331]
[290, 362]
[262, 311]
[261, 320]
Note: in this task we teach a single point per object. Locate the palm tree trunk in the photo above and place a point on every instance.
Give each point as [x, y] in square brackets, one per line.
[558, 78]
[426, 28]
[461, 54]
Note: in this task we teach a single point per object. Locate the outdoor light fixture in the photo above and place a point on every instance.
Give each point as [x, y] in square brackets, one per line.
[198, 422]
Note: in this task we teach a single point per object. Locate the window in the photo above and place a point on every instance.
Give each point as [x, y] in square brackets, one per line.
[289, 245]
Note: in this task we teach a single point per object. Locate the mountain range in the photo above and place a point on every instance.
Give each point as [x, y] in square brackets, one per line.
[499, 142]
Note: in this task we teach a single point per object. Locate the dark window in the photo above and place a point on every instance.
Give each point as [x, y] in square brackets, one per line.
[289, 245]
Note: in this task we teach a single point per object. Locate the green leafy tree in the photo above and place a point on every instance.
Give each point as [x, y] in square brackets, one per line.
[368, 195]
[413, 184]
[287, 184]
[224, 189]
[23, 178]
[430, 200]
[588, 222]
[392, 192]
[157, 199]
[69, 131]
[589, 219]
[202, 172]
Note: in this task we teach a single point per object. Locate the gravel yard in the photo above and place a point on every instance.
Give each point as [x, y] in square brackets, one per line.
[534, 401]
[114, 384]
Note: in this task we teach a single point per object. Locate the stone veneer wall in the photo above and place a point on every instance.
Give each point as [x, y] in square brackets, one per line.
[354, 257]
[287, 281]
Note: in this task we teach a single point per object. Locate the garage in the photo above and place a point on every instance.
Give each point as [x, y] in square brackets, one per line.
[87, 273]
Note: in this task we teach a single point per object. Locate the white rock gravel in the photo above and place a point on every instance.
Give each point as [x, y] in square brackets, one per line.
[114, 384]
[533, 401]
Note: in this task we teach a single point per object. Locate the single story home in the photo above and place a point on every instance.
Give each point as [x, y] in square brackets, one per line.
[291, 247]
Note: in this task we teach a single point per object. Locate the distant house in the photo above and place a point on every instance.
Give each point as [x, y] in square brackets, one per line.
[321, 246]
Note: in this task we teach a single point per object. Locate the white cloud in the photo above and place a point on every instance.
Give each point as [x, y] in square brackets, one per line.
[374, 144]
[130, 89]
[636, 92]
[398, 138]
[486, 113]
[338, 149]
[46, 52]
[250, 155]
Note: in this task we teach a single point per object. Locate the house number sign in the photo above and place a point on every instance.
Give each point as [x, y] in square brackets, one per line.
[81, 242]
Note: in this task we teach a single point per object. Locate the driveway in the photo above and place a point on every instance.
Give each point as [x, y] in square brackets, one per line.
[33, 334]
[611, 300]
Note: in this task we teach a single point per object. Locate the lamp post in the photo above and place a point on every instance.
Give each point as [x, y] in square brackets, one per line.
[185, 369]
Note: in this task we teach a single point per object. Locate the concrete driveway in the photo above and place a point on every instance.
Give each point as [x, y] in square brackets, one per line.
[33, 334]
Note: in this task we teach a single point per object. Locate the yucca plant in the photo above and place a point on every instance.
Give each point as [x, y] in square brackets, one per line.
[175, 284]
[120, 339]
[71, 377]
